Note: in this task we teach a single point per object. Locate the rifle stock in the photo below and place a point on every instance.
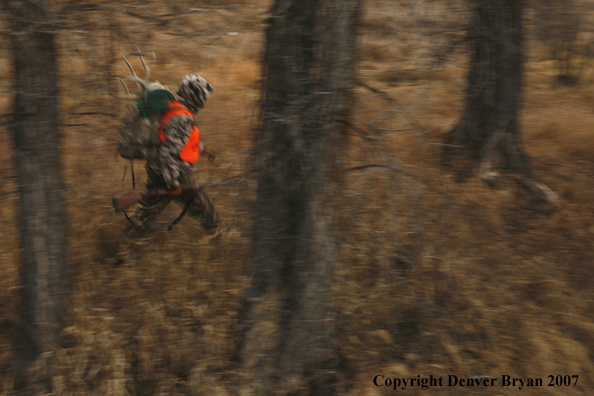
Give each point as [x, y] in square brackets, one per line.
[125, 201]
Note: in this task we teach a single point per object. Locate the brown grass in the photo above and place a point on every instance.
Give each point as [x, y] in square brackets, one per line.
[436, 277]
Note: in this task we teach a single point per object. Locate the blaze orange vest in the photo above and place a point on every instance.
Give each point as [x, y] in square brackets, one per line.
[191, 150]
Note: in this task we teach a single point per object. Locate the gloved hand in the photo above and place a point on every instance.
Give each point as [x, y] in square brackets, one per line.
[210, 154]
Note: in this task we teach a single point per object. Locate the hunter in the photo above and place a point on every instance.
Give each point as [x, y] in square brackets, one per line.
[179, 148]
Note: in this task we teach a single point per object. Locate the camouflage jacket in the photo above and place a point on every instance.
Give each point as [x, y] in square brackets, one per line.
[167, 163]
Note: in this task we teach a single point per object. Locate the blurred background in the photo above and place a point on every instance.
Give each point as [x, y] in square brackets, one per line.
[441, 268]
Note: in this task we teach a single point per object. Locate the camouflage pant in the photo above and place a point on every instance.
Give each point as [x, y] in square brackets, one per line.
[200, 205]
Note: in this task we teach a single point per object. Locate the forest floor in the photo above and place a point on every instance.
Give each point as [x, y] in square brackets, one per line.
[440, 274]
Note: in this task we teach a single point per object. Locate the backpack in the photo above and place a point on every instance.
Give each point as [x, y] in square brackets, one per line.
[138, 136]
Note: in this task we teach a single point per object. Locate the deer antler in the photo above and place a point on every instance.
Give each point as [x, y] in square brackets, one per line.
[141, 83]
[128, 97]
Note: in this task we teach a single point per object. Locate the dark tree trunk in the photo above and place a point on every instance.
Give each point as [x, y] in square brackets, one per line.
[308, 74]
[488, 130]
[37, 150]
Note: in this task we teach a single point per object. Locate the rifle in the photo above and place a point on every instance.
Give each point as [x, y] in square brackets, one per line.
[120, 204]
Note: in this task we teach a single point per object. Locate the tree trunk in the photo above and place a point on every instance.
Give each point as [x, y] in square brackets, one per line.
[37, 150]
[488, 130]
[308, 74]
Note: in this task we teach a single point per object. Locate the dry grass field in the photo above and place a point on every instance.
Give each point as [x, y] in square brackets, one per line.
[439, 274]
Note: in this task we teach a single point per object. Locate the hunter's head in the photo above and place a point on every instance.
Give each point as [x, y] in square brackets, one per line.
[193, 91]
